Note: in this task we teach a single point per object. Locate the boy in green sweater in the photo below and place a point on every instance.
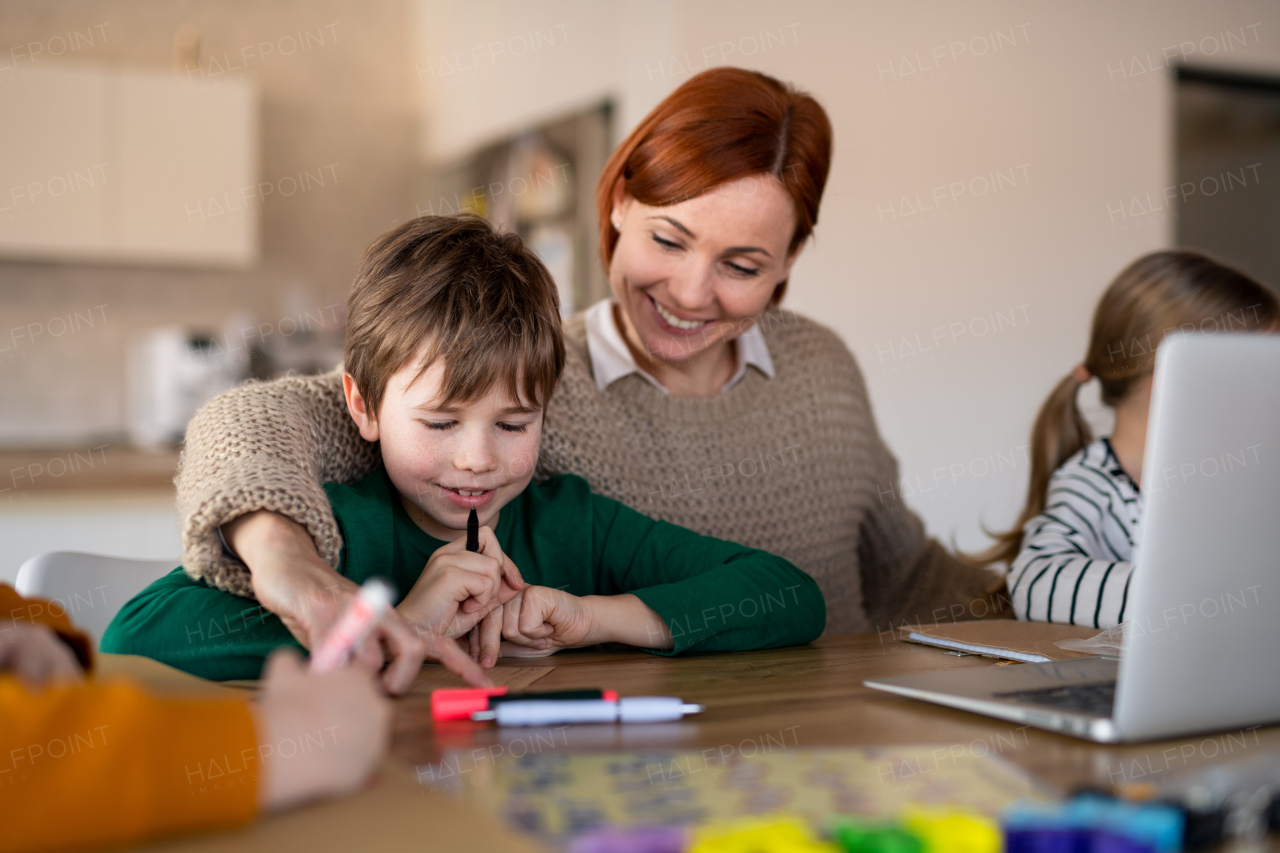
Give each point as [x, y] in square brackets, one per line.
[453, 348]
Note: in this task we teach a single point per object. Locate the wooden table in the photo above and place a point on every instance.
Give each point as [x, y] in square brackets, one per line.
[803, 697]
[812, 696]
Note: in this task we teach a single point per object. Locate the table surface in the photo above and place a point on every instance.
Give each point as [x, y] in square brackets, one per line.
[812, 696]
[804, 697]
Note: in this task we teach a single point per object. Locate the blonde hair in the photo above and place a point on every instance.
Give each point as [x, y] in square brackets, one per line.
[1157, 294]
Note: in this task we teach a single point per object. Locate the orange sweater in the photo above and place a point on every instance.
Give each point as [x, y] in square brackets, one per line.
[107, 763]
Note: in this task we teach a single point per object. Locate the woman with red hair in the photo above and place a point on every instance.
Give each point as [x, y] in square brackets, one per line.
[689, 395]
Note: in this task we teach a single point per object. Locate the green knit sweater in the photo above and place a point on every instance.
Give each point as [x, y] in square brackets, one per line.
[713, 595]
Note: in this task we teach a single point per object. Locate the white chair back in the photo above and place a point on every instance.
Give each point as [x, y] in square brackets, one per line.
[90, 588]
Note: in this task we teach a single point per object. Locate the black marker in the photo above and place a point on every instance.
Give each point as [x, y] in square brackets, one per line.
[473, 531]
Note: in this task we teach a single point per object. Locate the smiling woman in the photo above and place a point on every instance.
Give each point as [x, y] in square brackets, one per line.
[688, 278]
[689, 396]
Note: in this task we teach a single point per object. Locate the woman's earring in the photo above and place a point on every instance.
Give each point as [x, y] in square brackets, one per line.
[617, 226]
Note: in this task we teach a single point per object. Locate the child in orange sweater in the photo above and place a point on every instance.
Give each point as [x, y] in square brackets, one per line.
[106, 763]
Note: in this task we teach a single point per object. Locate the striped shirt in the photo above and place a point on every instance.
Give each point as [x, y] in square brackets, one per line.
[1074, 565]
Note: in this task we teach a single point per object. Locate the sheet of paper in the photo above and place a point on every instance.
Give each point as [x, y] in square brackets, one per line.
[435, 676]
[1028, 641]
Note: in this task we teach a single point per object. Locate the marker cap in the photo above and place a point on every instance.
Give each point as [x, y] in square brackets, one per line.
[460, 703]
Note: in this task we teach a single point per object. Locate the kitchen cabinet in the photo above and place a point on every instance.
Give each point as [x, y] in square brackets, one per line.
[128, 166]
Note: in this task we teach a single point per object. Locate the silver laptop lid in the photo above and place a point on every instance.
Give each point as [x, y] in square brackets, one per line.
[1202, 648]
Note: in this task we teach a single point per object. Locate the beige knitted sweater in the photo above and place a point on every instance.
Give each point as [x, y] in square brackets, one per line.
[792, 465]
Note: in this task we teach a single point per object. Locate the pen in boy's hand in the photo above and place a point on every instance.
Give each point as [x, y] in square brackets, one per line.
[355, 623]
[473, 531]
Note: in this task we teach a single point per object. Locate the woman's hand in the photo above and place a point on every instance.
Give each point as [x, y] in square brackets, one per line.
[292, 581]
[35, 654]
[459, 588]
[343, 709]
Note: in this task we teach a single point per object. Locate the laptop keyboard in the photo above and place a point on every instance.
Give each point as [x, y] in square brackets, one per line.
[1095, 697]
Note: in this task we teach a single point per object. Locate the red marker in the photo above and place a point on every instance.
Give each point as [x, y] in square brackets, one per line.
[460, 703]
[355, 623]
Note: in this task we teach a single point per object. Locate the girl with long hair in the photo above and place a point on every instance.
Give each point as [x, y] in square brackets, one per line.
[1069, 554]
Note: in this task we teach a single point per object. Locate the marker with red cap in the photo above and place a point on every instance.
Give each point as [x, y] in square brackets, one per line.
[460, 703]
[355, 623]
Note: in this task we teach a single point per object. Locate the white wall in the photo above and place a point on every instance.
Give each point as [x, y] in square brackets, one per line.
[143, 527]
[1065, 110]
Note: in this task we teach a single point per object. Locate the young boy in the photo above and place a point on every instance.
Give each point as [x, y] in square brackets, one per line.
[453, 348]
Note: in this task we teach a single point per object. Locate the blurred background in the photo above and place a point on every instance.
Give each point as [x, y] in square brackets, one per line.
[186, 189]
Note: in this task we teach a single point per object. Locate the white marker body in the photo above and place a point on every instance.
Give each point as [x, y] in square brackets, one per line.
[632, 709]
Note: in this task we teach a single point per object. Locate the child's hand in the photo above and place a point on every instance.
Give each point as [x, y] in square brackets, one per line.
[484, 641]
[343, 707]
[35, 654]
[292, 581]
[540, 621]
[310, 615]
[459, 588]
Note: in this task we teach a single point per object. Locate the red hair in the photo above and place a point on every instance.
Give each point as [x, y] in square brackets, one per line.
[722, 125]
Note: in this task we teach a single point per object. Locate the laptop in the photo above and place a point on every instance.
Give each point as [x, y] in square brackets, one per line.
[1201, 650]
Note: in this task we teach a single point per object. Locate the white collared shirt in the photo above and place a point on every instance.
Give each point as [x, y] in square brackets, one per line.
[611, 359]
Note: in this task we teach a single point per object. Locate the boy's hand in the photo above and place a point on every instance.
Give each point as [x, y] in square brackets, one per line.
[459, 588]
[484, 641]
[292, 581]
[540, 621]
